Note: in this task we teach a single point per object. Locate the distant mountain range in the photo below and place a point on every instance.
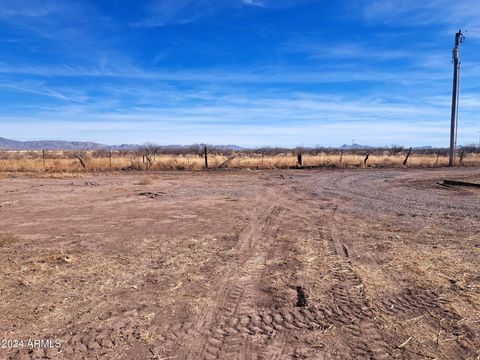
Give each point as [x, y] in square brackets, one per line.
[8, 144]
[360, 147]
[355, 147]
[49, 145]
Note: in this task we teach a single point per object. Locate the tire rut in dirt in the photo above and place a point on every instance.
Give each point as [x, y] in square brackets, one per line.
[234, 319]
[102, 340]
[351, 308]
[220, 331]
[419, 303]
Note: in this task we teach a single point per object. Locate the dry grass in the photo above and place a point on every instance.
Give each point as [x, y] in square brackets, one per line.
[7, 239]
[146, 181]
[65, 163]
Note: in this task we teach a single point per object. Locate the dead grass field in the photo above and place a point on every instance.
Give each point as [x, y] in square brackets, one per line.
[280, 264]
[58, 161]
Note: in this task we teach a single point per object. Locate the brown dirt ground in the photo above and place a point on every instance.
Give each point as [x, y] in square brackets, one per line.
[329, 264]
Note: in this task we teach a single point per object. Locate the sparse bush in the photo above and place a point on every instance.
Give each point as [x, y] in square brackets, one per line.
[7, 239]
[395, 149]
[146, 181]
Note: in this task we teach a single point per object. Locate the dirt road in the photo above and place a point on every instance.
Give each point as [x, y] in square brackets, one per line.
[242, 265]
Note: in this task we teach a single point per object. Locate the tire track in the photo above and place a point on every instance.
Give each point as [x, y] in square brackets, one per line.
[214, 336]
[411, 301]
[417, 303]
[104, 339]
[349, 310]
[216, 329]
[351, 306]
[235, 320]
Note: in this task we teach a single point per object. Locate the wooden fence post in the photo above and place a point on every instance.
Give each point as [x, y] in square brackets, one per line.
[110, 156]
[81, 160]
[299, 159]
[406, 159]
[366, 159]
[146, 159]
[341, 156]
[461, 156]
[43, 156]
[205, 153]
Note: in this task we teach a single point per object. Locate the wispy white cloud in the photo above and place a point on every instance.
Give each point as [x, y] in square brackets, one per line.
[463, 14]
[30, 8]
[219, 117]
[39, 88]
[176, 12]
[97, 90]
[160, 13]
[258, 3]
[72, 31]
[135, 130]
[318, 48]
[279, 4]
[154, 22]
[271, 75]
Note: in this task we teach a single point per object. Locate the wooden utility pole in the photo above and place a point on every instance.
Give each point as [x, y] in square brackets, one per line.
[455, 93]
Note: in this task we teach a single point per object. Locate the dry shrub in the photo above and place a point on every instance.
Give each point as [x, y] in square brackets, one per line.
[145, 181]
[7, 239]
[51, 259]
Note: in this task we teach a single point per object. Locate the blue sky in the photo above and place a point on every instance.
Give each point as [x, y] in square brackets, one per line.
[246, 72]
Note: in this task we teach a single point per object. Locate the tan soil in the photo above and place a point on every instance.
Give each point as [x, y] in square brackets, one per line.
[242, 265]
